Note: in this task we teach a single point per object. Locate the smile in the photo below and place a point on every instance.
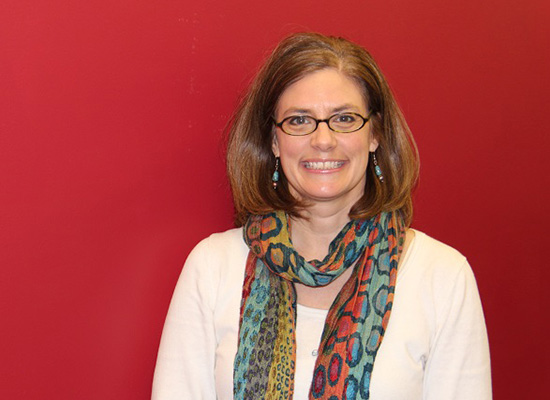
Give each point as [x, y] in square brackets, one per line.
[324, 165]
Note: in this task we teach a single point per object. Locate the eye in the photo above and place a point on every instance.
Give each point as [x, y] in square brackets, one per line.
[345, 118]
[298, 120]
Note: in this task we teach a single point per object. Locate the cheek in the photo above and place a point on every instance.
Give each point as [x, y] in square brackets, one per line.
[289, 147]
[359, 147]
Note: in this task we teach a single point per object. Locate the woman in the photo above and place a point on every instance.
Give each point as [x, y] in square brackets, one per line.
[322, 165]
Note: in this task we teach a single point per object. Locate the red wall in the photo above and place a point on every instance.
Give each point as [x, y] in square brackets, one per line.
[111, 166]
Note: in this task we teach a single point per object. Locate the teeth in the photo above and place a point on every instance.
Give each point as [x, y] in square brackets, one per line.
[324, 164]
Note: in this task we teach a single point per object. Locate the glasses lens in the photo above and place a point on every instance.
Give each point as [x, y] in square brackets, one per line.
[346, 122]
[299, 125]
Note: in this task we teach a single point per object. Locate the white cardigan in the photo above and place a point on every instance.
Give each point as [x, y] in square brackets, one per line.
[435, 346]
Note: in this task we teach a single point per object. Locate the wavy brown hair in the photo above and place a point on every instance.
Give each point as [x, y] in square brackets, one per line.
[250, 160]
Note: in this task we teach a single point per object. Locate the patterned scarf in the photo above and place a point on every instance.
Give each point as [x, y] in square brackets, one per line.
[356, 322]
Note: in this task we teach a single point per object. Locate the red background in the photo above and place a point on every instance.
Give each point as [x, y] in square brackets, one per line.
[111, 166]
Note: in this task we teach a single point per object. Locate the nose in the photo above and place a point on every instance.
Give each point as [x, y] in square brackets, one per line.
[323, 137]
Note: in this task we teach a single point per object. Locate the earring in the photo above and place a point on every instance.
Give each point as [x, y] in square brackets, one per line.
[377, 169]
[275, 177]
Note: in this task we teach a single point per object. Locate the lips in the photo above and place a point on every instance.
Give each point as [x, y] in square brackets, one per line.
[323, 165]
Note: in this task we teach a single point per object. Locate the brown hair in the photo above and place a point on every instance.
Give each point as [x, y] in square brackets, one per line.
[250, 160]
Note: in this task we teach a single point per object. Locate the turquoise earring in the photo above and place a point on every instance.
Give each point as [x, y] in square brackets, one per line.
[377, 169]
[275, 177]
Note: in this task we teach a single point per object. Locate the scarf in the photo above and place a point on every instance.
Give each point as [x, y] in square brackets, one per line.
[355, 324]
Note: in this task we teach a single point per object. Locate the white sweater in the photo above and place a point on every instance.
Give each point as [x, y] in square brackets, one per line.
[435, 346]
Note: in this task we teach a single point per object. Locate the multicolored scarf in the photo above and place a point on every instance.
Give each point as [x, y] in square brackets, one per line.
[356, 322]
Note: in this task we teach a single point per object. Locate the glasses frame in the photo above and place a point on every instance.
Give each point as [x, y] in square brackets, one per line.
[326, 121]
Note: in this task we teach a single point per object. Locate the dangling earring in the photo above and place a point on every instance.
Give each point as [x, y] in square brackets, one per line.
[275, 177]
[377, 169]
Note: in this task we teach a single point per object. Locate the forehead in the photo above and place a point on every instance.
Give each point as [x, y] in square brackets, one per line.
[322, 91]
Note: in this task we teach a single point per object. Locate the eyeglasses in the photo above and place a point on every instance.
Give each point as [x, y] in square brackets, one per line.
[301, 125]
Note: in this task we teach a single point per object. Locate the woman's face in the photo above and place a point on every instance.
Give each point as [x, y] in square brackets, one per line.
[325, 166]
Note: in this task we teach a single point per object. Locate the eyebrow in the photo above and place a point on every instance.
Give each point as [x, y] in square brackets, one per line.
[336, 110]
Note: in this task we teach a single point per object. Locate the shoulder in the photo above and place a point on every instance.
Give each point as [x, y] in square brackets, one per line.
[217, 264]
[220, 245]
[436, 284]
[218, 252]
[436, 270]
[427, 255]
[433, 250]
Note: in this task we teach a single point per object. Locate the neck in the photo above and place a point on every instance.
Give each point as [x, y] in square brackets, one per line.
[311, 235]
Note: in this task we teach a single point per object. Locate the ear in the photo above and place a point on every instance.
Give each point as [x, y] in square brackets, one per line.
[275, 146]
[373, 144]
